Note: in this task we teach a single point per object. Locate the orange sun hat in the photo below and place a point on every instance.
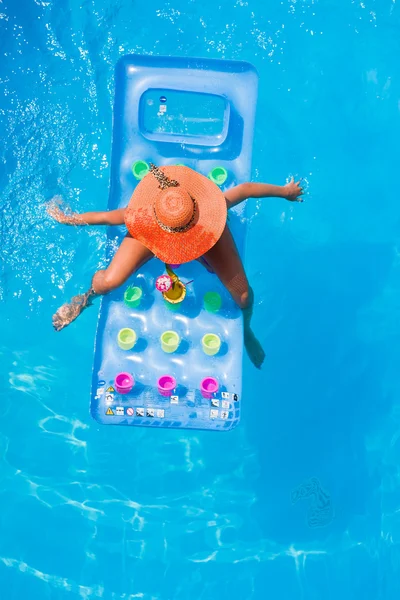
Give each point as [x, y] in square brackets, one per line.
[176, 213]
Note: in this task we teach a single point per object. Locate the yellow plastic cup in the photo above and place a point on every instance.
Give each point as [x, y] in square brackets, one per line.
[170, 341]
[126, 338]
[211, 344]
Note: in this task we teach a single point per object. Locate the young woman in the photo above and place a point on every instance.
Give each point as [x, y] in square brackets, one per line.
[177, 215]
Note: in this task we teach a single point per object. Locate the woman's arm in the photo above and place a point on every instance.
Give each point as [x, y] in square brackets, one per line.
[107, 217]
[111, 217]
[291, 191]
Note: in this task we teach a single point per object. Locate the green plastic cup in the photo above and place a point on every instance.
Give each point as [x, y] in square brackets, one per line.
[180, 165]
[211, 344]
[169, 341]
[133, 296]
[172, 307]
[140, 168]
[126, 338]
[218, 175]
[212, 302]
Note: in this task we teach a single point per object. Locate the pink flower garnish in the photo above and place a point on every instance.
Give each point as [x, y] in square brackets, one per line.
[163, 283]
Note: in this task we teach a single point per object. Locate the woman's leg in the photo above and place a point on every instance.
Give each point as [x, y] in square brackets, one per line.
[130, 256]
[226, 263]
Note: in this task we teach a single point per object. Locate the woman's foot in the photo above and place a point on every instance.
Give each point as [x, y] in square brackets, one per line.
[71, 310]
[253, 348]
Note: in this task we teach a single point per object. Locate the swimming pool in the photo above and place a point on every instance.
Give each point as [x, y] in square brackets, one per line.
[301, 501]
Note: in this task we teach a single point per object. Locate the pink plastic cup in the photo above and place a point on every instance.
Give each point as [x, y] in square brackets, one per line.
[124, 382]
[208, 387]
[166, 385]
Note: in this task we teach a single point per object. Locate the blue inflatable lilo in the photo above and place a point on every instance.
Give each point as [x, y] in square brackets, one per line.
[169, 345]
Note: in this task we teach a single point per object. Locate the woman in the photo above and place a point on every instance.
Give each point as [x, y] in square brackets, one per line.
[177, 215]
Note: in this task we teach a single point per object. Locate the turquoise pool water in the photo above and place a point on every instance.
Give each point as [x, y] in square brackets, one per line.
[302, 500]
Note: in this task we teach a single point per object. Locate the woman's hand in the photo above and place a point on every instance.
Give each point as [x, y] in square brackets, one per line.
[54, 210]
[293, 191]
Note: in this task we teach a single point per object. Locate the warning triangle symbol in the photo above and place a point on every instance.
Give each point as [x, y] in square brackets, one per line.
[110, 389]
[109, 411]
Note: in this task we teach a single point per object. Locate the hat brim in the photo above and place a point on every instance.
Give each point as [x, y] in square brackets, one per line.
[182, 247]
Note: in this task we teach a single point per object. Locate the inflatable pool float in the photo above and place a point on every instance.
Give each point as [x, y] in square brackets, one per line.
[169, 344]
